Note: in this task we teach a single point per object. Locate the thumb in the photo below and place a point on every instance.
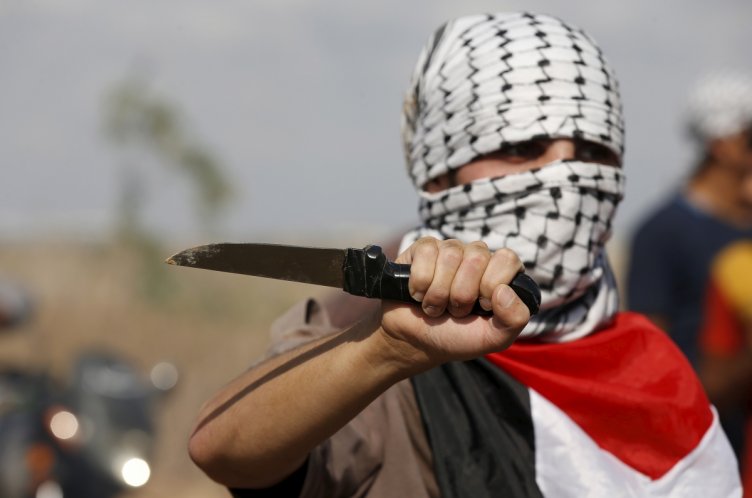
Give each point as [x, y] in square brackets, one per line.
[510, 314]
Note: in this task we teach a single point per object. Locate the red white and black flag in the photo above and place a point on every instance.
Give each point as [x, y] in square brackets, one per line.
[619, 413]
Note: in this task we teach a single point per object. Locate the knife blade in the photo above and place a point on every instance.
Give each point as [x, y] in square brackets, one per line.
[362, 272]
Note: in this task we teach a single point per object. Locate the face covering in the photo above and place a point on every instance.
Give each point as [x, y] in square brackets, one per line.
[485, 81]
[557, 219]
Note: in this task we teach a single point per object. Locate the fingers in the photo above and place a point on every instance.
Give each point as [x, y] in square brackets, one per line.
[447, 275]
[510, 313]
[421, 256]
[501, 269]
[464, 288]
[434, 264]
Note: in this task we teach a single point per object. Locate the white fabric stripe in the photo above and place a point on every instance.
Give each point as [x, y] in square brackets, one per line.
[570, 464]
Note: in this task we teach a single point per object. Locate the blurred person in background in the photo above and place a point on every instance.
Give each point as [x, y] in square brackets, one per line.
[725, 348]
[513, 135]
[672, 249]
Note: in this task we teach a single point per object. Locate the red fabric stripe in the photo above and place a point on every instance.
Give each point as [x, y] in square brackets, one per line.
[722, 333]
[627, 386]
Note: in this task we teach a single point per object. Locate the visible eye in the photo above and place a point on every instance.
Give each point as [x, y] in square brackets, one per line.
[590, 152]
[519, 152]
[442, 182]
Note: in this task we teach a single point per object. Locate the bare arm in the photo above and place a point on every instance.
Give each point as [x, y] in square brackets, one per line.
[261, 426]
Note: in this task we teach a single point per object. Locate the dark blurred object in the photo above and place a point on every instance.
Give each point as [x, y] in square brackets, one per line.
[16, 305]
[115, 407]
[31, 458]
[92, 439]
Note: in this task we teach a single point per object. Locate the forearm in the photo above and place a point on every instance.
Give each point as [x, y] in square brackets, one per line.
[261, 426]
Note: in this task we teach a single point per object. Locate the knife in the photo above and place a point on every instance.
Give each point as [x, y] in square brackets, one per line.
[362, 272]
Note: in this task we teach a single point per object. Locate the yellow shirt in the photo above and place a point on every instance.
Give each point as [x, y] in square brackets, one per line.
[732, 271]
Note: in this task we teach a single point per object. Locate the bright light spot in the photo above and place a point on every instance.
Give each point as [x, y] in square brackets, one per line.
[49, 489]
[64, 425]
[135, 472]
[164, 376]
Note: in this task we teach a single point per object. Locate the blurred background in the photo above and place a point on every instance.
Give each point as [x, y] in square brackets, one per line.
[131, 130]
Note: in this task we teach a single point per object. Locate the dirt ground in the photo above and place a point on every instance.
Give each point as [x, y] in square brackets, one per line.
[91, 296]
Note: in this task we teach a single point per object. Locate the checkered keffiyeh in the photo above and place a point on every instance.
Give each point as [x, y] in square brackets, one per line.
[486, 80]
[483, 81]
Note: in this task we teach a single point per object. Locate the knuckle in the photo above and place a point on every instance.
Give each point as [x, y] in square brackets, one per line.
[479, 244]
[508, 257]
[452, 243]
[463, 297]
[486, 287]
[426, 247]
[451, 254]
[419, 281]
[477, 260]
[427, 240]
[436, 296]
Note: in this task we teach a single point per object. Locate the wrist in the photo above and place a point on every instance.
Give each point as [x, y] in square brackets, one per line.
[395, 359]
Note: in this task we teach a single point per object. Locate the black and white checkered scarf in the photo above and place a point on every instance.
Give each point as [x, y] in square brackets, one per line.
[487, 80]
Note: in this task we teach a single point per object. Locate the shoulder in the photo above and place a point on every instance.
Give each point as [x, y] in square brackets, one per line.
[665, 216]
[671, 218]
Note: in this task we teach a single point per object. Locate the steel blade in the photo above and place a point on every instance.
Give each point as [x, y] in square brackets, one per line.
[311, 265]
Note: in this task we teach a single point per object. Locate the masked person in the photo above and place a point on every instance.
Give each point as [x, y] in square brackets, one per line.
[673, 247]
[513, 136]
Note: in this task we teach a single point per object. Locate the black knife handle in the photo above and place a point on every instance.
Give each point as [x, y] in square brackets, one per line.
[367, 272]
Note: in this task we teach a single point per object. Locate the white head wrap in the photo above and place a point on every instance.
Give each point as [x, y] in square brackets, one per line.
[486, 80]
[719, 105]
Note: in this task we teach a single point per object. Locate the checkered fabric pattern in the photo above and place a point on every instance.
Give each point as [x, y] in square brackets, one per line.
[481, 82]
[557, 219]
[485, 80]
